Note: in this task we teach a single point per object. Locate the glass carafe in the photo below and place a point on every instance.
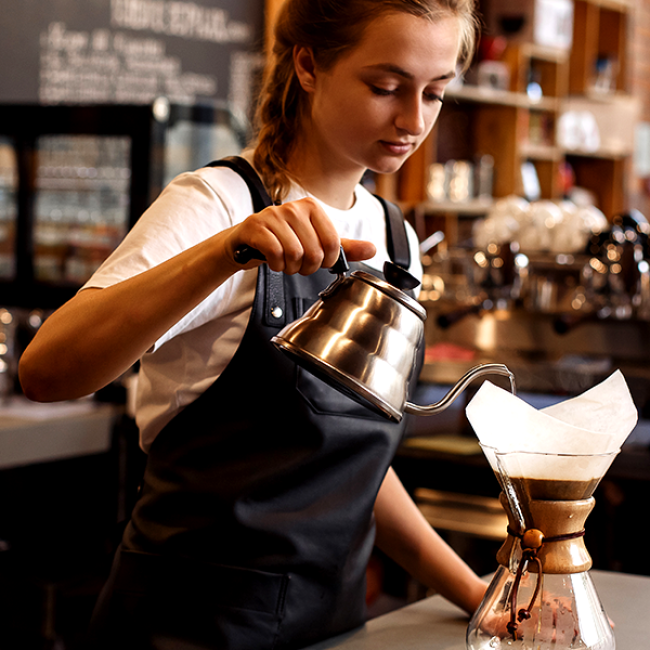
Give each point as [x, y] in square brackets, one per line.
[542, 596]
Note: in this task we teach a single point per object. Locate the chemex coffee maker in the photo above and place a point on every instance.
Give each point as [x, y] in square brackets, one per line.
[542, 596]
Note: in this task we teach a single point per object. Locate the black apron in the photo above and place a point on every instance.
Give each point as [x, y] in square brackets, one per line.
[254, 525]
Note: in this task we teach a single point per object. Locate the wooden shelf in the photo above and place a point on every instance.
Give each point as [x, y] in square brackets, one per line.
[513, 128]
[476, 207]
[543, 53]
[600, 31]
[600, 154]
[541, 152]
[618, 5]
[490, 96]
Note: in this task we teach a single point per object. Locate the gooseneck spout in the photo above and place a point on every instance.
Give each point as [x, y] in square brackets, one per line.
[463, 382]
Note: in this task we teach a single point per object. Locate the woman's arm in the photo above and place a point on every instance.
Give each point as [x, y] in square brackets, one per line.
[100, 333]
[405, 536]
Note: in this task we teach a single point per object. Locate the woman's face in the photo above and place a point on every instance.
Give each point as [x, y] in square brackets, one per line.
[377, 104]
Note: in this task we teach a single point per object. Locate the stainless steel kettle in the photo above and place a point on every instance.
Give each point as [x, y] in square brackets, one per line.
[363, 337]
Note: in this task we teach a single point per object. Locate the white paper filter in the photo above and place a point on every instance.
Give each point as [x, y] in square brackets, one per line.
[596, 422]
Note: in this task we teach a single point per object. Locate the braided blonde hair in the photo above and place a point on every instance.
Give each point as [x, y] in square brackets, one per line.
[330, 28]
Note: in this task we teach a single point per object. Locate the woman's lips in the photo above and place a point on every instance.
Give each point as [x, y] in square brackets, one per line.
[397, 148]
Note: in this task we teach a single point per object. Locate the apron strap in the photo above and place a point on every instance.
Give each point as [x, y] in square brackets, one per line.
[397, 242]
[274, 300]
[259, 195]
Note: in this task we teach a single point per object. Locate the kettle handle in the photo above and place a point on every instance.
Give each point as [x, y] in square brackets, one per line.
[459, 387]
[245, 253]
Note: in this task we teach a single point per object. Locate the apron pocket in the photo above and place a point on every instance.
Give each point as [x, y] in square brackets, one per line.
[155, 603]
[323, 398]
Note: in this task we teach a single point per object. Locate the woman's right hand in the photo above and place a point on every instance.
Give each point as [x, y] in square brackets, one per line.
[296, 237]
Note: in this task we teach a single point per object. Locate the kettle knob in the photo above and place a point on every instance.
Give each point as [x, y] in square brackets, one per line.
[341, 266]
[399, 277]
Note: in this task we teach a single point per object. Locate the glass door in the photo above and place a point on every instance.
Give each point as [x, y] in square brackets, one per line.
[81, 204]
[8, 208]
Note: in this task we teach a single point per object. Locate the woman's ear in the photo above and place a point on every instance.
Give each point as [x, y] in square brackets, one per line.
[303, 61]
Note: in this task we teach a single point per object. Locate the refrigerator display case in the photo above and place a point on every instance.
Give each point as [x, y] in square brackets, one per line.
[74, 180]
[8, 208]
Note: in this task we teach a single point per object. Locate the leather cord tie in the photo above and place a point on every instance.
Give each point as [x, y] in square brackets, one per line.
[532, 541]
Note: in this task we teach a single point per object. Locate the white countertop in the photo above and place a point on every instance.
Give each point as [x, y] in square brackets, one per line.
[435, 624]
[35, 433]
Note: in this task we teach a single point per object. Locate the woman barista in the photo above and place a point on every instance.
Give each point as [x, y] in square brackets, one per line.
[263, 486]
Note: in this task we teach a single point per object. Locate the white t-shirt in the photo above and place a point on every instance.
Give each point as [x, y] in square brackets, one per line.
[188, 358]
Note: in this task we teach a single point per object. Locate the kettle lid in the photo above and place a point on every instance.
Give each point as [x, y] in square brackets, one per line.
[392, 291]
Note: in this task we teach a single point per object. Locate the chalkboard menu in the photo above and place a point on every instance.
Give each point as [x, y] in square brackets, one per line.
[130, 51]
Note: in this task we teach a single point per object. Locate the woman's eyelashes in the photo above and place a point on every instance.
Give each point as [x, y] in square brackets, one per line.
[433, 97]
[384, 92]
